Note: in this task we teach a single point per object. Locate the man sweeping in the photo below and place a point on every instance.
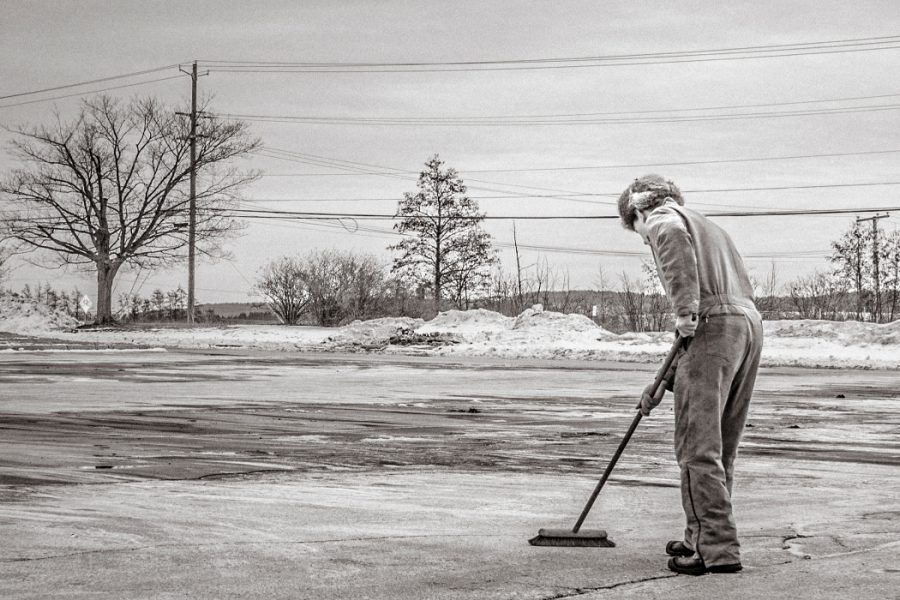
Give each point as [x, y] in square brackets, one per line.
[711, 296]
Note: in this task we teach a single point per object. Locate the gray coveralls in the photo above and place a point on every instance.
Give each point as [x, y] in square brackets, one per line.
[703, 273]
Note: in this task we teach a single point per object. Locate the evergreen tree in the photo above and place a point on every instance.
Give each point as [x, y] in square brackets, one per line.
[446, 249]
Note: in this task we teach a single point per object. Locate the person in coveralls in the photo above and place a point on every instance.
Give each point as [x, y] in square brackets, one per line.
[712, 298]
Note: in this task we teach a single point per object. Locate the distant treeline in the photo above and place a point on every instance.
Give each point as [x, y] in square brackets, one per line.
[637, 305]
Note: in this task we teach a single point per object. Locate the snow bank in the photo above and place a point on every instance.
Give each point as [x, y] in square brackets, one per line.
[832, 344]
[468, 324]
[844, 332]
[534, 334]
[30, 318]
[370, 334]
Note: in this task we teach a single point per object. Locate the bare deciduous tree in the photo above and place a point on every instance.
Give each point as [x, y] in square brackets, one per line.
[367, 285]
[766, 294]
[108, 189]
[283, 284]
[892, 269]
[852, 261]
[818, 296]
[632, 301]
[332, 286]
[658, 311]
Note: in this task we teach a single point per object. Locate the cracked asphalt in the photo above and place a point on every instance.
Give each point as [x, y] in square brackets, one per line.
[262, 475]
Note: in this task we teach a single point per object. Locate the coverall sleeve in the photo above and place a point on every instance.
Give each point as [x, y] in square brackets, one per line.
[676, 258]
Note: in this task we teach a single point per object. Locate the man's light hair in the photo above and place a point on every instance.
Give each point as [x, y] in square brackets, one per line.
[646, 193]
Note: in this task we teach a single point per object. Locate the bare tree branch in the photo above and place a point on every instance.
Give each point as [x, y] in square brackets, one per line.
[108, 187]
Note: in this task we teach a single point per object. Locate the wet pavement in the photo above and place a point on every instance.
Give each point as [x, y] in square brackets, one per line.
[127, 473]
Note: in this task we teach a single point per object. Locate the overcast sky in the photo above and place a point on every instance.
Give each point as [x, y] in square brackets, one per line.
[48, 44]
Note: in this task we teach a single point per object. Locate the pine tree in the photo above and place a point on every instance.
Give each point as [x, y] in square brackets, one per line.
[447, 250]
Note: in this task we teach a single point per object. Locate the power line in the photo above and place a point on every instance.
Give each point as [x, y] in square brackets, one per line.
[390, 234]
[621, 166]
[570, 195]
[320, 221]
[239, 69]
[521, 122]
[609, 60]
[365, 168]
[106, 89]
[88, 82]
[324, 215]
[529, 119]
[593, 114]
[764, 47]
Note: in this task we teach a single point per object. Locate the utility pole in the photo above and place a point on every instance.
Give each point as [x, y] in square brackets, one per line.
[192, 208]
[876, 270]
[192, 203]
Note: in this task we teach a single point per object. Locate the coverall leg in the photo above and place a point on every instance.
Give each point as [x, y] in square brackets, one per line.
[713, 386]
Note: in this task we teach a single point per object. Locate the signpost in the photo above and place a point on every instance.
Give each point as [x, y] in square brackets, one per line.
[85, 304]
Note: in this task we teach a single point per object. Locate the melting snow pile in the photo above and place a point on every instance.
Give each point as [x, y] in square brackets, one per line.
[22, 316]
[533, 334]
[373, 334]
[469, 325]
[842, 332]
[832, 344]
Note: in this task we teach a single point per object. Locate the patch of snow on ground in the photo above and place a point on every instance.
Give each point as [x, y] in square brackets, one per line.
[31, 318]
[262, 337]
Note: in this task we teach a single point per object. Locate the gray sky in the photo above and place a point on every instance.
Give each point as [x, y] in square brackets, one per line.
[47, 44]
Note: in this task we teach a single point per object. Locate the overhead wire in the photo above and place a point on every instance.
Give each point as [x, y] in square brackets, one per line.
[563, 120]
[607, 194]
[97, 91]
[885, 42]
[620, 166]
[317, 215]
[389, 234]
[607, 113]
[88, 82]
[567, 196]
[763, 47]
[572, 117]
[610, 60]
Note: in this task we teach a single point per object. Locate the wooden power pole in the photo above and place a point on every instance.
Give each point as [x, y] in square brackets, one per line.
[192, 202]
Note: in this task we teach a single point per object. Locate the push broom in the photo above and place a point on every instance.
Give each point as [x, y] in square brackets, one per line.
[596, 538]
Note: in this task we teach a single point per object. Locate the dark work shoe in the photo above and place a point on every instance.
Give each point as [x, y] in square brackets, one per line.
[695, 566]
[677, 548]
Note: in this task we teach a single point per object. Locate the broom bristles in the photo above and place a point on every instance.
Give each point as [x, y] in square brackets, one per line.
[586, 538]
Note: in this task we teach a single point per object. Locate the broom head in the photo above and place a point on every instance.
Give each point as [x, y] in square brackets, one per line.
[585, 538]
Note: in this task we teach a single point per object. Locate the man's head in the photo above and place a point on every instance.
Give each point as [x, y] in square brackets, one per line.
[644, 194]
